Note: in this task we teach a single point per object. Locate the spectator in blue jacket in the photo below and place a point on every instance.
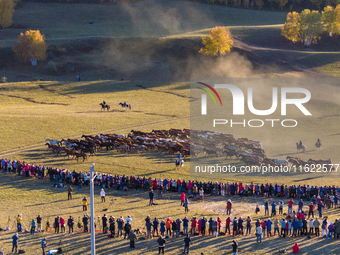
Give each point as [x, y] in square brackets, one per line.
[269, 227]
[295, 225]
[185, 225]
[15, 242]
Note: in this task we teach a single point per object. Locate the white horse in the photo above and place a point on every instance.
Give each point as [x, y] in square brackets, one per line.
[69, 145]
[52, 141]
[281, 161]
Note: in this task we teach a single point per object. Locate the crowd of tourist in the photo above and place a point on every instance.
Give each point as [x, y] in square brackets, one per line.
[291, 223]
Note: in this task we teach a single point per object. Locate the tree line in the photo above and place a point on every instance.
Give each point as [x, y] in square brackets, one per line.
[306, 27]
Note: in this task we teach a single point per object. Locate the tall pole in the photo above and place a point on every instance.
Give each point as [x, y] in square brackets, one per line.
[93, 238]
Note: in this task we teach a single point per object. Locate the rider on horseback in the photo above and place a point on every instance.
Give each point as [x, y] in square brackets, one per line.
[300, 143]
[104, 103]
[318, 143]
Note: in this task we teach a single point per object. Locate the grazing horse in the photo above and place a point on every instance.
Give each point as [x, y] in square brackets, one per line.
[125, 105]
[301, 147]
[105, 106]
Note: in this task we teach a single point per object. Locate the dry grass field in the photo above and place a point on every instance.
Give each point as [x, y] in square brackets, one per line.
[144, 53]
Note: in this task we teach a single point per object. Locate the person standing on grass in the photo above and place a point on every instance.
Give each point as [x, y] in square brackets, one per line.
[273, 209]
[266, 207]
[84, 204]
[62, 224]
[102, 195]
[324, 227]
[104, 222]
[182, 196]
[168, 226]
[186, 205]
[56, 225]
[311, 210]
[151, 196]
[248, 225]
[290, 206]
[70, 223]
[227, 225]
[311, 227]
[203, 225]
[132, 237]
[193, 225]
[155, 227]
[229, 205]
[69, 193]
[174, 229]
[19, 223]
[235, 247]
[112, 226]
[269, 228]
[258, 234]
[39, 225]
[127, 229]
[162, 228]
[283, 227]
[187, 241]
[43, 245]
[185, 225]
[201, 193]
[320, 208]
[281, 203]
[15, 242]
[161, 244]
[33, 226]
[276, 227]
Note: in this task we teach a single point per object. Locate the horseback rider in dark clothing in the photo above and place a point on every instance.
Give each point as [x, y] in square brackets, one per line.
[300, 143]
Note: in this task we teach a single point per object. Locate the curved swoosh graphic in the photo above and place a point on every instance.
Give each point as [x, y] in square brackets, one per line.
[218, 96]
[208, 92]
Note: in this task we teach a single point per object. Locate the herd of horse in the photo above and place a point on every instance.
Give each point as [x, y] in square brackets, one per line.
[247, 151]
[189, 143]
[136, 141]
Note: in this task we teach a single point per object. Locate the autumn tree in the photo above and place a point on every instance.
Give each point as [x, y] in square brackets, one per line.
[291, 29]
[304, 27]
[218, 43]
[328, 20]
[310, 24]
[6, 12]
[31, 47]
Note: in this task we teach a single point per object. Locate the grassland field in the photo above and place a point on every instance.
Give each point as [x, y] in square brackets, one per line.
[147, 59]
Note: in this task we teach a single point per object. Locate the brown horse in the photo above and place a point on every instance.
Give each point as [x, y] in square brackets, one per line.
[105, 106]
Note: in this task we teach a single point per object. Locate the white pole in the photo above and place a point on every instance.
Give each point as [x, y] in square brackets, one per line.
[93, 238]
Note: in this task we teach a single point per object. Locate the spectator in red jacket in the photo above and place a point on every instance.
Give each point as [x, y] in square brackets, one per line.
[193, 225]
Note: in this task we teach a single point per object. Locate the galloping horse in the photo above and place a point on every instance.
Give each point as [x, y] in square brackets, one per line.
[105, 106]
[301, 147]
[56, 142]
[125, 105]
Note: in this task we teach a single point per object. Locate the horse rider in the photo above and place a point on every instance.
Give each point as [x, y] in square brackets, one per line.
[300, 143]
[125, 103]
[318, 142]
[104, 103]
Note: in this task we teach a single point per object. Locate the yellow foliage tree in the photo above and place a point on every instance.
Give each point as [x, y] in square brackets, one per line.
[218, 43]
[6, 12]
[328, 20]
[31, 47]
[304, 27]
[291, 29]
